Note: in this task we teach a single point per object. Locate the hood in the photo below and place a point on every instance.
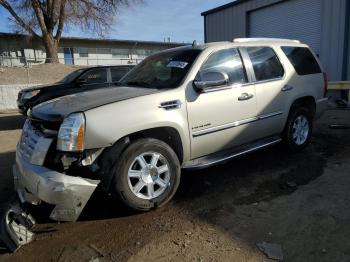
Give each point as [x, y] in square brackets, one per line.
[41, 87]
[57, 109]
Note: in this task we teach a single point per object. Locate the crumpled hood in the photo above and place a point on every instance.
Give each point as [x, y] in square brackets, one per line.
[57, 109]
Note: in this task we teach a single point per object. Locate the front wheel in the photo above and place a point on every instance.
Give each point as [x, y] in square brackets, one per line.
[148, 174]
[298, 130]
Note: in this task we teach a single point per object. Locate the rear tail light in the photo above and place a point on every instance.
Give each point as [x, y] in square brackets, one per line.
[325, 79]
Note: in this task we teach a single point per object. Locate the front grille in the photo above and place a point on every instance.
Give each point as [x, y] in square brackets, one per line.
[29, 139]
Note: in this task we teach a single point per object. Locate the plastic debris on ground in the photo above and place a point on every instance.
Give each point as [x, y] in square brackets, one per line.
[272, 251]
[15, 225]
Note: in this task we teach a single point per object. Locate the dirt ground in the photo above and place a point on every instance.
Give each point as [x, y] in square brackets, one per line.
[300, 201]
[37, 74]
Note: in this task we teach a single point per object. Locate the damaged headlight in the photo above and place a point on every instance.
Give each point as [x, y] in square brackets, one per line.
[30, 94]
[71, 133]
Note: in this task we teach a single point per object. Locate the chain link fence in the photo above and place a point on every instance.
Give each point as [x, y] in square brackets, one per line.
[29, 71]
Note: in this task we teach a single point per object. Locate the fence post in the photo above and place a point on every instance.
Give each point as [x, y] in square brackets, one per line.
[27, 68]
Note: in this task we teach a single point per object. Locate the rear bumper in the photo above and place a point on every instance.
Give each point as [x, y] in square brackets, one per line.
[35, 183]
[321, 107]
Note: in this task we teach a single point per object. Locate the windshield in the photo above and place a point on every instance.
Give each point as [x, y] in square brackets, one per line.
[162, 70]
[72, 76]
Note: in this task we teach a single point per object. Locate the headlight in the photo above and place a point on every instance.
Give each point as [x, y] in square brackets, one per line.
[30, 94]
[71, 133]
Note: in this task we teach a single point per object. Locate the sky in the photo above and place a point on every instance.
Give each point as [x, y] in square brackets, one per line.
[152, 20]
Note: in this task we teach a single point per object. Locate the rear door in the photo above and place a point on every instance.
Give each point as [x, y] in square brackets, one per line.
[271, 90]
[222, 118]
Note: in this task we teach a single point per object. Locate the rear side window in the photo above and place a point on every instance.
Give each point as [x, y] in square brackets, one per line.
[226, 61]
[302, 59]
[118, 73]
[265, 62]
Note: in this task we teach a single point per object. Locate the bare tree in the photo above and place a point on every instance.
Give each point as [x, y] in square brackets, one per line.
[46, 19]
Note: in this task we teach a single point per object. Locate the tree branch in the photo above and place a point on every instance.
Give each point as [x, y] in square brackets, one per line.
[38, 12]
[62, 18]
[19, 20]
[50, 8]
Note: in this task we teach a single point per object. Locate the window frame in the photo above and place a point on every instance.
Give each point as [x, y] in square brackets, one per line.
[251, 67]
[229, 85]
[82, 54]
[118, 55]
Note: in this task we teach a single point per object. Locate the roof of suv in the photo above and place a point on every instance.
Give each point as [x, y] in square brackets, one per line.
[237, 42]
[256, 41]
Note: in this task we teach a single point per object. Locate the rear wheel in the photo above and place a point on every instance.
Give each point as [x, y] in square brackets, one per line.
[148, 174]
[298, 130]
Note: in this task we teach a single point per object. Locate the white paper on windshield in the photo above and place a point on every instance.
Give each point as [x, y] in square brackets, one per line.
[177, 64]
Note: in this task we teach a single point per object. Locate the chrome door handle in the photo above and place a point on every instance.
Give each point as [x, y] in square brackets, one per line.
[245, 96]
[286, 88]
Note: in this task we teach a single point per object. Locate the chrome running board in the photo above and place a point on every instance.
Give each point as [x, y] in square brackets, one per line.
[210, 160]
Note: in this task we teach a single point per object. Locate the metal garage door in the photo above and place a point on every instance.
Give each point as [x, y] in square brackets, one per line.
[294, 19]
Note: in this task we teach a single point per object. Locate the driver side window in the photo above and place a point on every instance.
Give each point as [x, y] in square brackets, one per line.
[226, 61]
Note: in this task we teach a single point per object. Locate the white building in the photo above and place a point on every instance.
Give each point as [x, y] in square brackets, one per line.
[17, 50]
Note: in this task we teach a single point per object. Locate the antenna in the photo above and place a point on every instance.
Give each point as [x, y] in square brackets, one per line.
[194, 43]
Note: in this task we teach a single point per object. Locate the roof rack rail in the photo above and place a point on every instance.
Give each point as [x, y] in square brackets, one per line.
[241, 40]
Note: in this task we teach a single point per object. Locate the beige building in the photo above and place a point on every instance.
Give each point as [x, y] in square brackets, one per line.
[18, 50]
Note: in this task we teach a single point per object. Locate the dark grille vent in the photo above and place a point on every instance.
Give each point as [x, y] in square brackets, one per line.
[168, 105]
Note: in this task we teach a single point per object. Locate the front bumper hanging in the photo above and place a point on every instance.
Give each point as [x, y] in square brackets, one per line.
[35, 183]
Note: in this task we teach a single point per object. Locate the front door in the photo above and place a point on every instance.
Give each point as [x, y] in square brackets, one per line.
[222, 118]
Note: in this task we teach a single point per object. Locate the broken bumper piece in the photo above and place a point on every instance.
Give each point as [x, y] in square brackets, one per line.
[35, 183]
[15, 227]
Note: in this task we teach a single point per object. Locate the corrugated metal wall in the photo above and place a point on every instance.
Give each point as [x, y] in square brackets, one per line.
[295, 15]
[232, 22]
[332, 37]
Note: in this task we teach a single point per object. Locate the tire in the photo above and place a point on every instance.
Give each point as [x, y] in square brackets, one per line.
[296, 139]
[136, 175]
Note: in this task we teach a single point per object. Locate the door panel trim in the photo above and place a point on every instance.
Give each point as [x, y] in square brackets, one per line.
[234, 124]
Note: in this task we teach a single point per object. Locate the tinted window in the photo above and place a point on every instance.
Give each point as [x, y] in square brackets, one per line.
[265, 62]
[227, 61]
[72, 76]
[162, 70]
[118, 73]
[95, 76]
[303, 60]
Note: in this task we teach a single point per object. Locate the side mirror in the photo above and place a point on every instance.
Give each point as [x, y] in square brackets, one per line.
[211, 80]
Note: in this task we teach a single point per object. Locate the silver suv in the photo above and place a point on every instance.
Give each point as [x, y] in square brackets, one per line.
[188, 107]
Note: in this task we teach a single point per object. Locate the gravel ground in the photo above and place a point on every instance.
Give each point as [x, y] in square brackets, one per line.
[300, 201]
[37, 74]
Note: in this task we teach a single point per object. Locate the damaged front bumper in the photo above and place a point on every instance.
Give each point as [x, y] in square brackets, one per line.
[35, 183]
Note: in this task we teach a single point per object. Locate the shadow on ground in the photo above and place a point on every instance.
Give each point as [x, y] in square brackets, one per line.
[221, 196]
[11, 122]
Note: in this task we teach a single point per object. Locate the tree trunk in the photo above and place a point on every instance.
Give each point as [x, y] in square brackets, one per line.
[51, 47]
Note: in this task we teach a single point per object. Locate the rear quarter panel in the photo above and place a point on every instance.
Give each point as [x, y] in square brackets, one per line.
[303, 85]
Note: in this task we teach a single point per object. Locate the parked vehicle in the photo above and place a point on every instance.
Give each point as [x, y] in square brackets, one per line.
[78, 81]
[189, 107]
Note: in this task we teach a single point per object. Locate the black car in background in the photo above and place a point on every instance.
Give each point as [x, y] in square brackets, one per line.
[78, 81]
